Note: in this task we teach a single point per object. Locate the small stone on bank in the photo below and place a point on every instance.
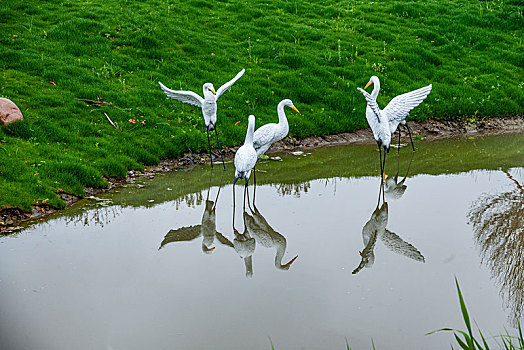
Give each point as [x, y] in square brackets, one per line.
[9, 112]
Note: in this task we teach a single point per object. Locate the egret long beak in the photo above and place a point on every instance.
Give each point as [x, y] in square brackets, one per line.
[292, 261]
[368, 84]
[295, 109]
[213, 91]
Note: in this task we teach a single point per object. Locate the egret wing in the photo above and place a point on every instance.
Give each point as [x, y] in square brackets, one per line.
[183, 96]
[264, 135]
[227, 85]
[372, 103]
[222, 239]
[399, 107]
[396, 244]
[188, 233]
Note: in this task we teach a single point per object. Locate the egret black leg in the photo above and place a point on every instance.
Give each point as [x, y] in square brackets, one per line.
[248, 203]
[220, 147]
[234, 182]
[384, 166]
[380, 160]
[254, 183]
[410, 138]
[209, 145]
[398, 153]
[245, 193]
[409, 166]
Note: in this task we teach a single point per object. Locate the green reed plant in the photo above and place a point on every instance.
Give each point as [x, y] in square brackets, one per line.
[468, 341]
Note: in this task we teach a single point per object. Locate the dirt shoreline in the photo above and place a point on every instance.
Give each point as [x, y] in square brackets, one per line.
[14, 219]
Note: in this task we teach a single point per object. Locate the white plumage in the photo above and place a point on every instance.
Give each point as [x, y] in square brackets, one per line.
[246, 156]
[208, 103]
[270, 133]
[385, 122]
[245, 160]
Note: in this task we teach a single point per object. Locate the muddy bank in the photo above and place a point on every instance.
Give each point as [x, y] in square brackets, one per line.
[13, 219]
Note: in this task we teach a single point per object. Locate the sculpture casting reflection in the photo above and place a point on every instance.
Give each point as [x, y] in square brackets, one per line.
[376, 228]
[498, 225]
[207, 228]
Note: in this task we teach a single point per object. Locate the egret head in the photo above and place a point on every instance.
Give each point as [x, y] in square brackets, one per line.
[372, 80]
[289, 103]
[206, 249]
[288, 265]
[208, 87]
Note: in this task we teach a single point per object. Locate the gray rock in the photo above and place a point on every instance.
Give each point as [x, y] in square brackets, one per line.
[9, 112]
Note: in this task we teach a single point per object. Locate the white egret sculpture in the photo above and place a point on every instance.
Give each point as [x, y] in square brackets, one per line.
[208, 105]
[270, 133]
[245, 160]
[385, 122]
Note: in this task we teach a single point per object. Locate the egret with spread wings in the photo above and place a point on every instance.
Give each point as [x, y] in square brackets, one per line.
[385, 122]
[208, 105]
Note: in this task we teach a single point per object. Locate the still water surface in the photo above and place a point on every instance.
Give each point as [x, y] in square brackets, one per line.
[161, 267]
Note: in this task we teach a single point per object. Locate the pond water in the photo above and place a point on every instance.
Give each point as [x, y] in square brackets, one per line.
[160, 267]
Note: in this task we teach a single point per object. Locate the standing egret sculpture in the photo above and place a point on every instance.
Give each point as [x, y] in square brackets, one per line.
[245, 160]
[270, 133]
[208, 105]
[385, 122]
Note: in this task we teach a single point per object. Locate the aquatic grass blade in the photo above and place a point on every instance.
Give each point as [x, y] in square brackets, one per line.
[486, 347]
[465, 315]
[478, 344]
[521, 339]
[271, 342]
[461, 343]
[347, 344]
[506, 345]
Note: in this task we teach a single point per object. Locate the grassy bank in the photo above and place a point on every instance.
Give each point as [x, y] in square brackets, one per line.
[54, 52]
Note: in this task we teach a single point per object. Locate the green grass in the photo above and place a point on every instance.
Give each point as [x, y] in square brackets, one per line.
[472, 51]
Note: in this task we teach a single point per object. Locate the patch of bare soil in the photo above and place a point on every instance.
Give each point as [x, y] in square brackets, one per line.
[14, 219]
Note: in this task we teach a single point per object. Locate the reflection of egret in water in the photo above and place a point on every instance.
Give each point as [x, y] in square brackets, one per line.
[498, 225]
[393, 188]
[376, 228]
[258, 230]
[266, 236]
[207, 228]
[245, 245]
